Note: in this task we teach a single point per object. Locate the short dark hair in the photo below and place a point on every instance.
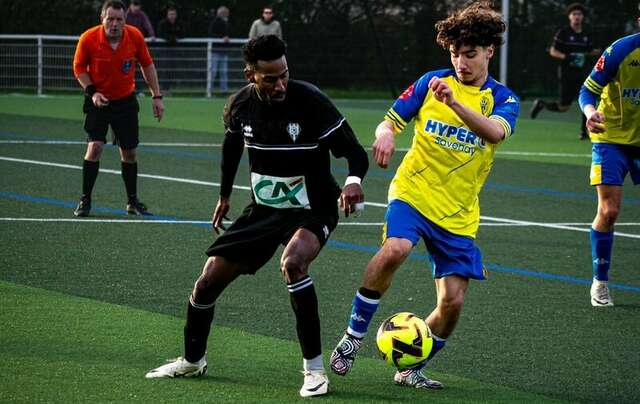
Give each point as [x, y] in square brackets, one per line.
[576, 7]
[264, 47]
[476, 25]
[116, 4]
[135, 2]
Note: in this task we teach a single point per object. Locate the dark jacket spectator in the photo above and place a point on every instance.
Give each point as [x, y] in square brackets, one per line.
[170, 28]
[139, 19]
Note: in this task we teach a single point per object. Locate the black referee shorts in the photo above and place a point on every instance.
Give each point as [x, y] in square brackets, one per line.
[121, 115]
[255, 236]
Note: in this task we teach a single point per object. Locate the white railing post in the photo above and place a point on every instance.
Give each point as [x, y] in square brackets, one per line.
[40, 64]
[504, 52]
[209, 83]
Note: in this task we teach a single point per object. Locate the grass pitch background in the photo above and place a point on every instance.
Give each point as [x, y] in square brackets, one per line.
[88, 308]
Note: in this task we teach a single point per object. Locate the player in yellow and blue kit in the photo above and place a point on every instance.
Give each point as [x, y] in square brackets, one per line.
[615, 135]
[461, 116]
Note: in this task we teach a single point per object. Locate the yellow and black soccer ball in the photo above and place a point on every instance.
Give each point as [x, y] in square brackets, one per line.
[404, 340]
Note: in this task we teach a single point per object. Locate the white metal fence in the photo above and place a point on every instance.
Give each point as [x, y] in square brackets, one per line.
[43, 63]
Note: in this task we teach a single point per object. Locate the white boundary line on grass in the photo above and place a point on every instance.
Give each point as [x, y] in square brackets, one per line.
[246, 188]
[152, 221]
[172, 144]
[142, 221]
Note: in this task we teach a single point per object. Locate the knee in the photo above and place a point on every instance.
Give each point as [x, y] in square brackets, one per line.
[205, 280]
[452, 305]
[94, 151]
[128, 156]
[395, 253]
[608, 213]
[293, 268]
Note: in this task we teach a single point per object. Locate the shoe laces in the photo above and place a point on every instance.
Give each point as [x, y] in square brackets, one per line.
[602, 291]
[349, 345]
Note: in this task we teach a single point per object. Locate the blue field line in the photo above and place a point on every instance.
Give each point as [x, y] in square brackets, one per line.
[591, 196]
[72, 205]
[331, 243]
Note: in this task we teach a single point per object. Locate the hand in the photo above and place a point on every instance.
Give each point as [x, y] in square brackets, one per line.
[595, 121]
[99, 100]
[441, 91]
[351, 196]
[383, 149]
[220, 213]
[158, 108]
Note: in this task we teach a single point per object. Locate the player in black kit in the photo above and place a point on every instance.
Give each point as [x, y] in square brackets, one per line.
[289, 128]
[571, 47]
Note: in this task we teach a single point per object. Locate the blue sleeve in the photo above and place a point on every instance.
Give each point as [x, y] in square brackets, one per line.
[506, 109]
[604, 71]
[587, 97]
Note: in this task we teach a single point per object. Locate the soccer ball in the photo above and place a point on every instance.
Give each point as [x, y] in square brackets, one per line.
[404, 340]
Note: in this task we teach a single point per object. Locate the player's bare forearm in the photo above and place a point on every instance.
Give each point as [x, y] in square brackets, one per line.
[488, 129]
[556, 54]
[220, 213]
[151, 77]
[84, 79]
[384, 146]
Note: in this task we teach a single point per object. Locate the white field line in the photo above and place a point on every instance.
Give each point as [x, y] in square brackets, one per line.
[77, 142]
[71, 220]
[143, 221]
[246, 188]
[171, 144]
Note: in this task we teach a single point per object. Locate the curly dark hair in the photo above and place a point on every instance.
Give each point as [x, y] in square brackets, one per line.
[476, 25]
[266, 48]
[576, 6]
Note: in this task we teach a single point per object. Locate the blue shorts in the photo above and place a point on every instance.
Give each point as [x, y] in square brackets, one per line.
[610, 164]
[450, 254]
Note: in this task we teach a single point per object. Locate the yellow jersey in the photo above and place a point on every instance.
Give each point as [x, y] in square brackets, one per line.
[444, 170]
[616, 79]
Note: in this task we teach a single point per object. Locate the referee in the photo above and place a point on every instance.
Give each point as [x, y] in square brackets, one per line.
[105, 65]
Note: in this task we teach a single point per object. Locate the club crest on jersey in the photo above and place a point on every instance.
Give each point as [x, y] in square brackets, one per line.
[247, 130]
[293, 129]
[484, 103]
[126, 65]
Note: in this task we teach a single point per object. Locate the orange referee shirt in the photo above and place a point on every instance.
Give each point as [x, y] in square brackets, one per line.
[112, 71]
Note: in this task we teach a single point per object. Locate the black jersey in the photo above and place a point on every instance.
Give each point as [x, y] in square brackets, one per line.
[288, 144]
[571, 42]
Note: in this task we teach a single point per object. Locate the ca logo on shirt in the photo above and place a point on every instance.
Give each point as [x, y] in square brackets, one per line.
[280, 192]
[293, 129]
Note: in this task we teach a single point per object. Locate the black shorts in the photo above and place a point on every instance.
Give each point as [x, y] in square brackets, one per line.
[570, 84]
[255, 236]
[121, 115]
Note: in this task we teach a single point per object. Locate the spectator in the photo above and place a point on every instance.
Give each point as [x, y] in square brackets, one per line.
[265, 25]
[140, 20]
[170, 30]
[219, 28]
